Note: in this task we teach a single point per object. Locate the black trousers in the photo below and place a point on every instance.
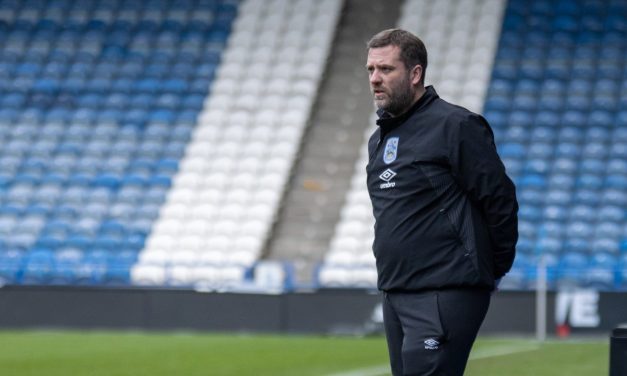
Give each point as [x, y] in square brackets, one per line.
[430, 333]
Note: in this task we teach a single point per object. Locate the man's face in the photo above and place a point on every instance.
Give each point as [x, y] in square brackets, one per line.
[390, 81]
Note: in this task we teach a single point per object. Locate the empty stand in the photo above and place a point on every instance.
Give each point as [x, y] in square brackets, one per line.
[99, 102]
[559, 133]
[172, 142]
[229, 186]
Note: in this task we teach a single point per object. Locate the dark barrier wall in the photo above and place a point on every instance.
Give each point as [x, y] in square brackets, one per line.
[327, 311]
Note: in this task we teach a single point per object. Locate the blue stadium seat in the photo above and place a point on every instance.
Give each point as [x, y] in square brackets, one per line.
[155, 194]
[551, 229]
[552, 264]
[547, 119]
[578, 245]
[614, 196]
[11, 265]
[559, 180]
[607, 245]
[578, 229]
[39, 267]
[533, 181]
[574, 259]
[555, 213]
[574, 118]
[600, 277]
[548, 245]
[538, 165]
[531, 199]
[526, 229]
[592, 166]
[582, 212]
[525, 102]
[525, 245]
[497, 103]
[516, 134]
[603, 259]
[607, 229]
[587, 197]
[617, 166]
[611, 213]
[571, 269]
[513, 150]
[557, 196]
[542, 150]
[617, 150]
[589, 181]
[116, 274]
[621, 120]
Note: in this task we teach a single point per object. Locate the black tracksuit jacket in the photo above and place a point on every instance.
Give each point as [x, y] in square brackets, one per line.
[445, 211]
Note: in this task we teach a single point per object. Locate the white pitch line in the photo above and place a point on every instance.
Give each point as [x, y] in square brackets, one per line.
[500, 351]
[380, 370]
[384, 369]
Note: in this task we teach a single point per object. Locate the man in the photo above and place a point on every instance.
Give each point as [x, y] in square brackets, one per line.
[446, 212]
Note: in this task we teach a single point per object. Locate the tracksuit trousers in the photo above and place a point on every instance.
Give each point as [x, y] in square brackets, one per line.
[430, 333]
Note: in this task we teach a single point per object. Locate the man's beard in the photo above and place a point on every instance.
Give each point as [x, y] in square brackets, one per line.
[399, 100]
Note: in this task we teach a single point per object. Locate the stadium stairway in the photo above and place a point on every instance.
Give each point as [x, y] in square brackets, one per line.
[323, 173]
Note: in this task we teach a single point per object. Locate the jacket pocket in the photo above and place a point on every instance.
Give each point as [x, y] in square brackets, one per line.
[453, 231]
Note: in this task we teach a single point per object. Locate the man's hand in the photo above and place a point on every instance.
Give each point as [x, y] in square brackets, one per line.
[497, 282]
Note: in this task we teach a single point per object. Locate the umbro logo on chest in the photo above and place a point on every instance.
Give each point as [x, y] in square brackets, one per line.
[387, 176]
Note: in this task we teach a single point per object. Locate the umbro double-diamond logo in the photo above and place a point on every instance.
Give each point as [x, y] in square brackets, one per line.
[386, 176]
[432, 344]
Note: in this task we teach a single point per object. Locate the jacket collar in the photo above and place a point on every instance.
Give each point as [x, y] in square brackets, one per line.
[387, 122]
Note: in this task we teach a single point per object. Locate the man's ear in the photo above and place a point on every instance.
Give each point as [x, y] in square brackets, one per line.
[416, 74]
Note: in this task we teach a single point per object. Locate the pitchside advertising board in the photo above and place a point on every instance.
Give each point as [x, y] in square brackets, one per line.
[569, 312]
[589, 311]
[330, 311]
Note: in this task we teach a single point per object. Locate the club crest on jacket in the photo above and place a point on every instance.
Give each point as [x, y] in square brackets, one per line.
[391, 148]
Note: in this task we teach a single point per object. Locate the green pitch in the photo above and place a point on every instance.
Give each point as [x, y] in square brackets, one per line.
[62, 353]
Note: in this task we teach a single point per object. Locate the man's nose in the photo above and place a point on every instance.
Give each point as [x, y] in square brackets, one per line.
[375, 78]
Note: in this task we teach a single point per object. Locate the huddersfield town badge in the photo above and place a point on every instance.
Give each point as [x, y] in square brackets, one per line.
[391, 148]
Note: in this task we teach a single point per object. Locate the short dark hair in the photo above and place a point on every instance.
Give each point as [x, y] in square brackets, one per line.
[413, 50]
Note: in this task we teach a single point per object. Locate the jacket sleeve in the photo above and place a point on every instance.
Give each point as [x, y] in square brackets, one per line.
[478, 169]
